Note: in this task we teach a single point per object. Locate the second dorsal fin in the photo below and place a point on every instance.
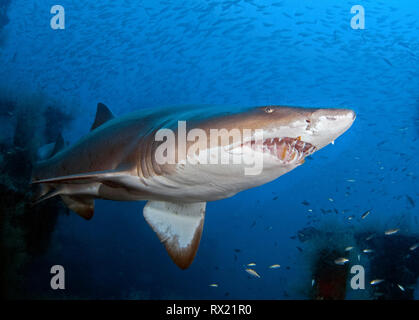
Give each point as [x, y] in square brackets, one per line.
[103, 114]
[59, 145]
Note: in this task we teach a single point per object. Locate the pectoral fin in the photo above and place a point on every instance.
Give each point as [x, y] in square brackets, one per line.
[178, 226]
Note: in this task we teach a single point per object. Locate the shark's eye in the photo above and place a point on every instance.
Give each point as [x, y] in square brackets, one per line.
[269, 110]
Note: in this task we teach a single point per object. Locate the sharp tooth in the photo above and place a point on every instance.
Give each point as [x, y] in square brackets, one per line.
[333, 142]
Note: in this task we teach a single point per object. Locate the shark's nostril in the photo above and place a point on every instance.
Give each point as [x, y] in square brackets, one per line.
[269, 110]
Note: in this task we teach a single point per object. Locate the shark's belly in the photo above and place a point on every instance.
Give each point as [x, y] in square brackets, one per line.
[181, 193]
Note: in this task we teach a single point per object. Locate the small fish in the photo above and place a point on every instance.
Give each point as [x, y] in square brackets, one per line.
[274, 266]
[365, 214]
[359, 257]
[376, 281]
[341, 261]
[414, 247]
[367, 250]
[251, 264]
[252, 273]
[348, 248]
[350, 217]
[370, 237]
[305, 202]
[331, 200]
[214, 285]
[410, 200]
[400, 287]
[391, 231]
[388, 62]
[313, 282]
[351, 180]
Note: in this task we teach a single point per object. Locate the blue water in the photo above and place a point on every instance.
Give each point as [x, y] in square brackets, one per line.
[137, 54]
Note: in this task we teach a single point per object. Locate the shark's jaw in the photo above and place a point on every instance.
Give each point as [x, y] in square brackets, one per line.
[284, 150]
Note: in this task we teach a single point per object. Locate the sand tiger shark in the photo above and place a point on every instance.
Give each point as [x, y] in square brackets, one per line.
[116, 161]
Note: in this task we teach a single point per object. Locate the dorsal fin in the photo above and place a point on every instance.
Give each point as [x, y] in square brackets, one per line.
[59, 145]
[51, 149]
[178, 226]
[103, 114]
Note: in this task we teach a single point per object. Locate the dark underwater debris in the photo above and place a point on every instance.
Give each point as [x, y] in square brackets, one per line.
[25, 230]
[395, 263]
[392, 270]
[7, 106]
[57, 119]
[307, 234]
[329, 278]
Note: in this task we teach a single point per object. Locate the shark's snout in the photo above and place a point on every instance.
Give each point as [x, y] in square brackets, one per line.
[326, 125]
[334, 114]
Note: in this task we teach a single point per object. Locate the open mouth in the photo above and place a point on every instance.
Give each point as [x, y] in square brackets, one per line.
[287, 150]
